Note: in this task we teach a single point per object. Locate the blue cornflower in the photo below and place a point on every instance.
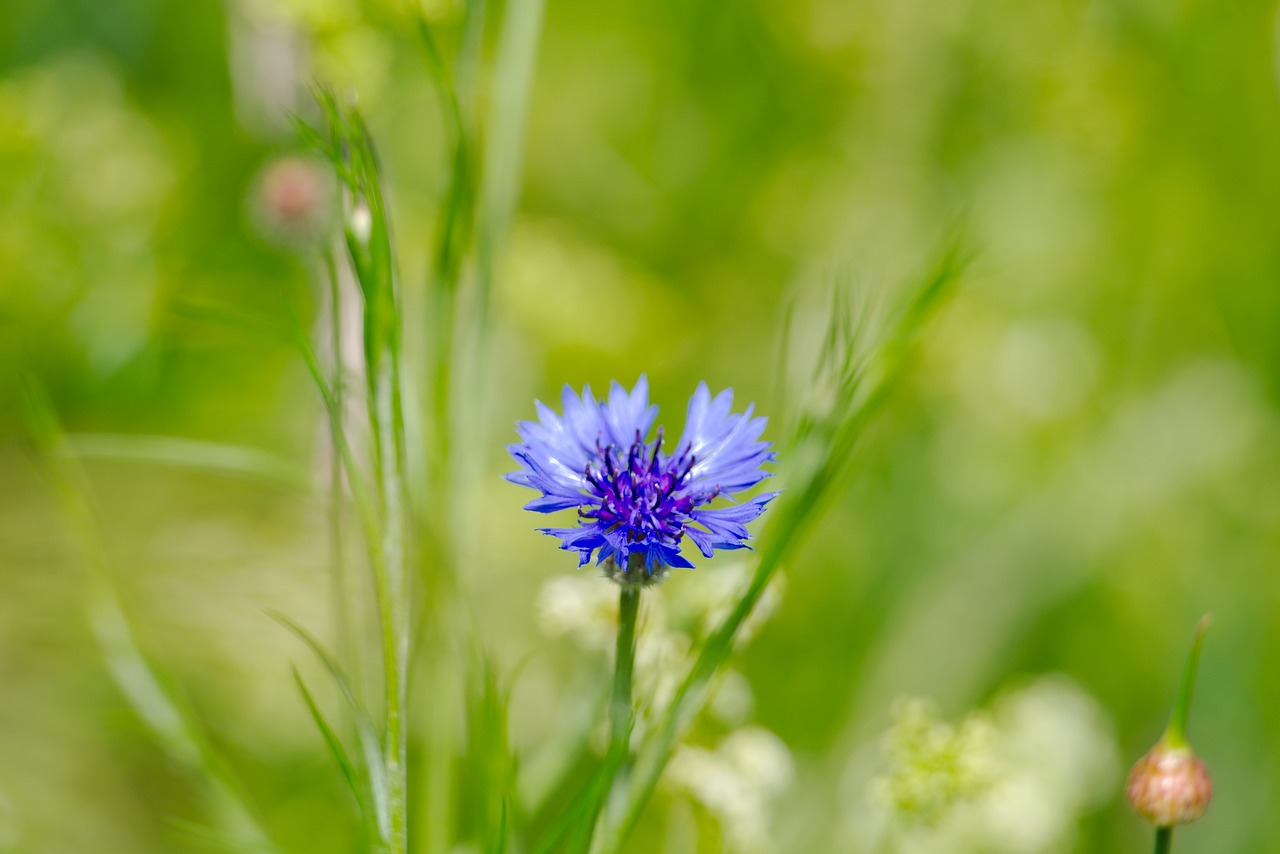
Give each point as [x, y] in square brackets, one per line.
[636, 503]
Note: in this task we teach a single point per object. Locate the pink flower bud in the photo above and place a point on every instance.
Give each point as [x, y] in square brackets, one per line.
[293, 201]
[1169, 786]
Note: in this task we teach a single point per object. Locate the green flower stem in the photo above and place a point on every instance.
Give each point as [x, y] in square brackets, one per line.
[1175, 735]
[1164, 840]
[620, 705]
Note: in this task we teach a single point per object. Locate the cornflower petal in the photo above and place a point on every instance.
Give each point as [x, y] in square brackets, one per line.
[628, 415]
[724, 445]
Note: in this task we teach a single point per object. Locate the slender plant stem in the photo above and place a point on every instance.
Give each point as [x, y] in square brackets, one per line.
[612, 777]
[393, 598]
[342, 622]
[620, 705]
[392, 822]
[1164, 840]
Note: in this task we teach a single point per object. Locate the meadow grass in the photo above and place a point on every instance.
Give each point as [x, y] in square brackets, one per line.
[421, 732]
[397, 472]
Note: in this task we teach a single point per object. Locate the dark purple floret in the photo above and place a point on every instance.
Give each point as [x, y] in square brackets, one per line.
[635, 502]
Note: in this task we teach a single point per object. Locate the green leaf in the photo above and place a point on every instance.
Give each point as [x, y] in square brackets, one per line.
[370, 747]
[332, 741]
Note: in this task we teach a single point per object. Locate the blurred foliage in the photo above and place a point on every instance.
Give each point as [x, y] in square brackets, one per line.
[1081, 461]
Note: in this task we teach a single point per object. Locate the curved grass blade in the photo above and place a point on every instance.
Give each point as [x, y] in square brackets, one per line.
[370, 747]
[171, 724]
[214, 457]
[332, 741]
[845, 425]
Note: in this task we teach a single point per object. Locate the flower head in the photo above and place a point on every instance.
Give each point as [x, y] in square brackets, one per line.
[636, 502]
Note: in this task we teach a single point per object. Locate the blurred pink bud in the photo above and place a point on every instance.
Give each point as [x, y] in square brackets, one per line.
[1169, 786]
[293, 201]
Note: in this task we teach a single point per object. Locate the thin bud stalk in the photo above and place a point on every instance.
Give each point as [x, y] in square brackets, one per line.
[1175, 735]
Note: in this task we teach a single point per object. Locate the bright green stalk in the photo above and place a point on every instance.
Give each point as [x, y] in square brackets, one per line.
[453, 237]
[612, 779]
[513, 75]
[620, 704]
[1164, 840]
[513, 78]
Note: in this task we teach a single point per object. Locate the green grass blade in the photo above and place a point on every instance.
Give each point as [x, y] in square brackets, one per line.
[332, 742]
[230, 460]
[794, 518]
[248, 323]
[514, 69]
[370, 746]
[171, 725]
[489, 767]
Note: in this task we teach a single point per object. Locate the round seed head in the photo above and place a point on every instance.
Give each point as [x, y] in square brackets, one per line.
[1169, 786]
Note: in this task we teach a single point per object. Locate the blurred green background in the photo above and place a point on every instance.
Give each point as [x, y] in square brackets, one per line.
[1083, 458]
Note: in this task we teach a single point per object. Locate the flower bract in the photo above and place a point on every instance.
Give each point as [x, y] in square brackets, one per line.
[637, 502]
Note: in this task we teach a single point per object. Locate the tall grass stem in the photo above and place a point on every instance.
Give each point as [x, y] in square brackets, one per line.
[393, 595]
[341, 617]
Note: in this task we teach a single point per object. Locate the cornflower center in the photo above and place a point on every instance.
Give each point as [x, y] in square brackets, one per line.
[639, 490]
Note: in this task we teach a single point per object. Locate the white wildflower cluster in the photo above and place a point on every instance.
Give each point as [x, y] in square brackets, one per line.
[585, 610]
[935, 766]
[581, 608]
[1011, 780]
[707, 599]
[736, 780]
